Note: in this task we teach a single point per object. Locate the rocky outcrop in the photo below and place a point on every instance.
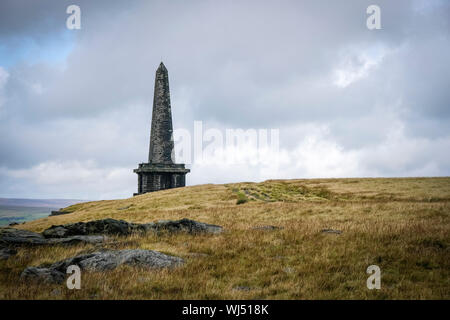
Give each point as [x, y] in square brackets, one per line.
[58, 212]
[16, 237]
[12, 236]
[102, 261]
[104, 226]
[124, 228]
[184, 225]
[95, 231]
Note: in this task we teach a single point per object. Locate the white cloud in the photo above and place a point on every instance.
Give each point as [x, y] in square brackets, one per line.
[356, 64]
[399, 155]
[318, 155]
[315, 155]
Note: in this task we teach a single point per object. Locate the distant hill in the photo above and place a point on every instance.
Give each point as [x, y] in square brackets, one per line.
[21, 210]
[17, 202]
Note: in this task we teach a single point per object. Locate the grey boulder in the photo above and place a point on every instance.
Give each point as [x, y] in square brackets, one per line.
[102, 261]
[111, 259]
[45, 275]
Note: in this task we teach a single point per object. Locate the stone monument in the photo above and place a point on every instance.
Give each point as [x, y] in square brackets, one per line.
[161, 172]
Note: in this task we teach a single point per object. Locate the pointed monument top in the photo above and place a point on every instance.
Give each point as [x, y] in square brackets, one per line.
[162, 67]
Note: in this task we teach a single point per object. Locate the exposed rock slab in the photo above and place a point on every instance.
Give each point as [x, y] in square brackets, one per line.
[184, 225]
[331, 231]
[124, 228]
[111, 259]
[102, 261]
[17, 237]
[78, 239]
[59, 212]
[12, 236]
[94, 231]
[104, 226]
[267, 228]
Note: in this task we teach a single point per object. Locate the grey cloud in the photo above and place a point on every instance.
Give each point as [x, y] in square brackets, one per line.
[248, 64]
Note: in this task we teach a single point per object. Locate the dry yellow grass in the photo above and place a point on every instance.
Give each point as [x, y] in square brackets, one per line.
[401, 225]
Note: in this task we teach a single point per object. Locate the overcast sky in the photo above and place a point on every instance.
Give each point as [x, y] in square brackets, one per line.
[75, 105]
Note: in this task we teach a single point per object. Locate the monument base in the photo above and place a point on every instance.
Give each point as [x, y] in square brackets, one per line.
[154, 177]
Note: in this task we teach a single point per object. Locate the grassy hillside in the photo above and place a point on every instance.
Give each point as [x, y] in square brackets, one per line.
[401, 225]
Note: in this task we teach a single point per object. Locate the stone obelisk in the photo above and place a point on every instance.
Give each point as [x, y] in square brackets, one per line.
[161, 172]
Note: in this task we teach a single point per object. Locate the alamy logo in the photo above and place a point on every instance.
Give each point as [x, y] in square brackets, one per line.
[74, 20]
[374, 20]
[374, 281]
[231, 146]
[74, 281]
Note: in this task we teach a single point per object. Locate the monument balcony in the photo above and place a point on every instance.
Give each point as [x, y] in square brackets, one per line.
[161, 167]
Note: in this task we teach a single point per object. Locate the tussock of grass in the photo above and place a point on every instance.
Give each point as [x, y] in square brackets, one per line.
[388, 222]
[241, 198]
